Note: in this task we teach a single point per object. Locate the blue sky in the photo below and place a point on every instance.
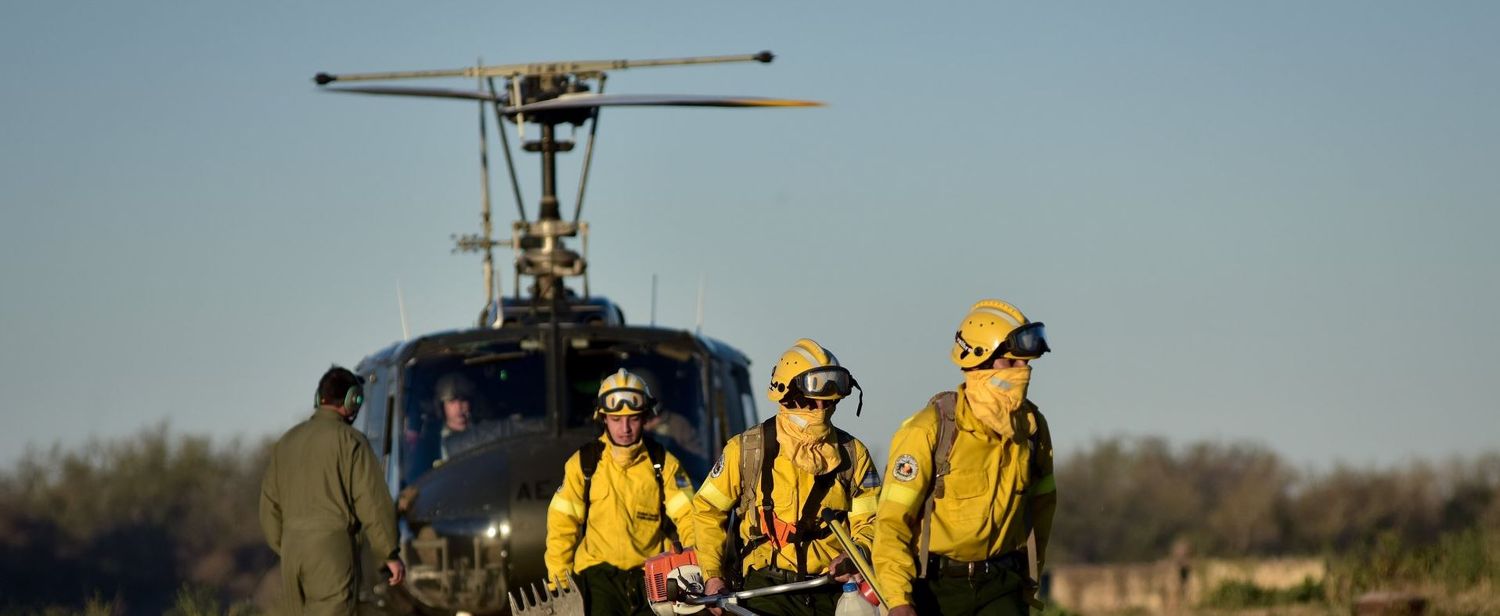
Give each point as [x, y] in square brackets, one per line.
[1261, 221]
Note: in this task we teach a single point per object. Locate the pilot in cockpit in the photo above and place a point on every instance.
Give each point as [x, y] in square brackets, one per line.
[456, 398]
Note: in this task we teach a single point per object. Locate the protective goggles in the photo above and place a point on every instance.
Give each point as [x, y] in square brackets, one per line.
[825, 381]
[1028, 341]
[616, 400]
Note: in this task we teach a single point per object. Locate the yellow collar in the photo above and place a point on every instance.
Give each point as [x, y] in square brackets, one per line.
[967, 422]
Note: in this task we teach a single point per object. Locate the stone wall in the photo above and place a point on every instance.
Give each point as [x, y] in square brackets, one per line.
[1168, 586]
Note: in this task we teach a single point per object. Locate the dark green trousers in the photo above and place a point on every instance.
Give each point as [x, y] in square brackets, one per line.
[998, 594]
[318, 573]
[820, 601]
[611, 591]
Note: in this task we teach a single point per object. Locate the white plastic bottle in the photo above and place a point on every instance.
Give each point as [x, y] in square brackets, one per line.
[851, 603]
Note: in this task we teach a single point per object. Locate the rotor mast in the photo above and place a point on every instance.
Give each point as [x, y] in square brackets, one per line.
[547, 94]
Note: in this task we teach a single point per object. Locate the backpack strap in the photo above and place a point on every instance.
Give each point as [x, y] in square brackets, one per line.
[752, 452]
[769, 449]
[588, 462]
[758, 451]
[658, 455]
[945, 403]
[846, 449]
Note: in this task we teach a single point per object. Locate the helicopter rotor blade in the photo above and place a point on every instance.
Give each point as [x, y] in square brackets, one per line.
[576, 67]
[582, 101]
[475, 95]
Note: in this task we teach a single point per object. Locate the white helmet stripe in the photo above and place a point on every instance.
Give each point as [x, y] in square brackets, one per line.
[806, 355]
[1000, 313]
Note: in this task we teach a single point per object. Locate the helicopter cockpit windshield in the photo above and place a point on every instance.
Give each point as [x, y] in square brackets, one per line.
[458, 402]
[674, 375]
[464, 400]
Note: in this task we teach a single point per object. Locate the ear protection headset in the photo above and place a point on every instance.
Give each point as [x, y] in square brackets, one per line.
[353, 399]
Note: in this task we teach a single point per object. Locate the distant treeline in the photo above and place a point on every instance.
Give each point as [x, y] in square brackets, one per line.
[132, 522]
[1143, 499]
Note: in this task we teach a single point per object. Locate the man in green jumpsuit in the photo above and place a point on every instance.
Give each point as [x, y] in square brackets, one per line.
[323, 487]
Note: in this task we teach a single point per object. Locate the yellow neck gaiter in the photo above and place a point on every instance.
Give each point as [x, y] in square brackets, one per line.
[624, 455]
[995, 396]
[804, 439]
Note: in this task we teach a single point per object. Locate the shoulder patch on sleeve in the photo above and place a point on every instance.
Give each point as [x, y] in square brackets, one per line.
[871, 479]
[905, 468]
[718, 468]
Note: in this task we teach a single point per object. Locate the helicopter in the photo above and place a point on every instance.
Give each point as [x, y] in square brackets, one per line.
[472, 487]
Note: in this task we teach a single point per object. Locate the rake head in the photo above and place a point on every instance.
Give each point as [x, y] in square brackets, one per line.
[537, 600]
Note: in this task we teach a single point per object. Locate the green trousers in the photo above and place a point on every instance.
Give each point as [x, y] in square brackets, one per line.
[998, 594]
[611, 591]
[318, 573]
[820, 601]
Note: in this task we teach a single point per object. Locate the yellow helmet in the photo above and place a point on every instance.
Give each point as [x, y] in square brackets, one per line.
[811, 371]
[993, 325]
[623, 393]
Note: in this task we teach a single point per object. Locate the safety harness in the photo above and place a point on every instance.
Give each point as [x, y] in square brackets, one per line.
[588, 460]
[946, 404]
[758, 450]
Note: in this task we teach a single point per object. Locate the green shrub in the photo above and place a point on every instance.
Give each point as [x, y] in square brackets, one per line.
[1238, 594]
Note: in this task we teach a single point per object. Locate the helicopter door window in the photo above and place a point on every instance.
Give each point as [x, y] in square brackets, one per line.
[458, 403]
[746, 399]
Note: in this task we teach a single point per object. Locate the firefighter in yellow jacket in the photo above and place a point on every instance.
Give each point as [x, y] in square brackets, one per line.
[970, 480]
[623, 500]
[772, 472]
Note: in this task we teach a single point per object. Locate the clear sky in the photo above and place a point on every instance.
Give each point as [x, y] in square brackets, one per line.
[1271, 221]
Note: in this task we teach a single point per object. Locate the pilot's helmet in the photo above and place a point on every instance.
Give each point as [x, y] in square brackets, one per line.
[454, 386]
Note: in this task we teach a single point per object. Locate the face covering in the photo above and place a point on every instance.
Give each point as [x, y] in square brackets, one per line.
[995, 397]
[623, 455]
[804, 438]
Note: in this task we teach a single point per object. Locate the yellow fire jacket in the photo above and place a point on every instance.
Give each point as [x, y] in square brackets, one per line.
[993, 490]
[624, 526]
[790, 490]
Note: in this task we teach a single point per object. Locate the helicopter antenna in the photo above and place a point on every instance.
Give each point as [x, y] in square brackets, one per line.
[653, 300]
[510, 164]
[699, 329]
[401, 305]
[588, 153]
